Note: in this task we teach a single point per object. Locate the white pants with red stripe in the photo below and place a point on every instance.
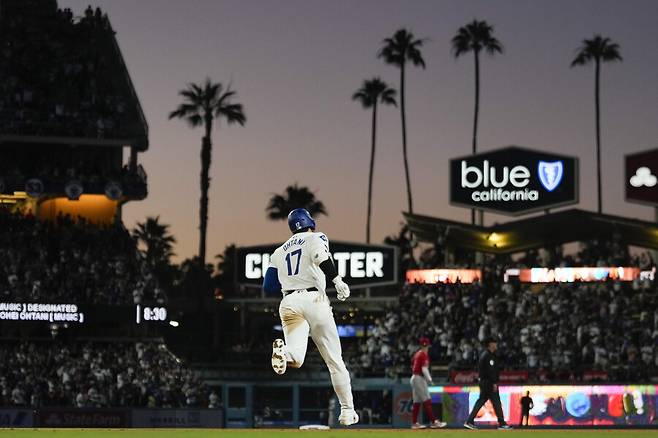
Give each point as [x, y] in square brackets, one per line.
[306, 312]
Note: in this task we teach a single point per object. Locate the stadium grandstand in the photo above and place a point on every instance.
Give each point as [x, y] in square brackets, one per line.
[73, 278]
[96, 333]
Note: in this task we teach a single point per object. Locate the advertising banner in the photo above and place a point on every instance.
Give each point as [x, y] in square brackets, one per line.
[471, 377]
[16, 418]
[103, 418]
[173, 418]
[641, 182]
[514, 181]
[359, 264]
[402, 404]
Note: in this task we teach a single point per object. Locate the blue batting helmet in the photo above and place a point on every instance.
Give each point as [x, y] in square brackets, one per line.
[299, 218]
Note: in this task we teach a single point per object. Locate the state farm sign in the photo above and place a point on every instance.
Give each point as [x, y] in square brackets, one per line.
[514, 181]
[360, 265]
[641, 180]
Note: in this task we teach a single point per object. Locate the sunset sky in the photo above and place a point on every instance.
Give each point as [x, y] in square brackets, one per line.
[295, 65]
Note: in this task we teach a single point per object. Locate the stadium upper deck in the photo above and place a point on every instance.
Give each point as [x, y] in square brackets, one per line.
[66, 124]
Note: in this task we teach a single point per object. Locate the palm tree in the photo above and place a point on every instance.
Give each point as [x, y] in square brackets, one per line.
[371, 92]
[226, 264]
[397, 51]
[294, 197]
[156, 238]
[598, 50]
[201, 105]
[475, 37]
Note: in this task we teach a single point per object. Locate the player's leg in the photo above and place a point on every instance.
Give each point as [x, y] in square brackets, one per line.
[498, 409]
[427, 404]
[325, 336]
[295, 331]
[417, 400]
[421, 388]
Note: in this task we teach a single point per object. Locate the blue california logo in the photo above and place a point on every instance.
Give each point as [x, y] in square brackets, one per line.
[550, 174]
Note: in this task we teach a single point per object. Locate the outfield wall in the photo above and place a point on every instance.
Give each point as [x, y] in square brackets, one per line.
[384, 404]
[111, 418]
[381, 403]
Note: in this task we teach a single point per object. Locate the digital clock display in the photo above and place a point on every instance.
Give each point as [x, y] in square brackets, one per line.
[150, 314]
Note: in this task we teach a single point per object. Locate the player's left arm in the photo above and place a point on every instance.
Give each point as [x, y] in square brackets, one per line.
[426, 373]
[322, 257]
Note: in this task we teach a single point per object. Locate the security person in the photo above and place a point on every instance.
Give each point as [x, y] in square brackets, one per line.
[489, 373]
[526, 406]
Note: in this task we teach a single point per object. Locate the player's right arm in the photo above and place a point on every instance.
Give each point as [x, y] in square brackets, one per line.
[483, 368]
[271, 283]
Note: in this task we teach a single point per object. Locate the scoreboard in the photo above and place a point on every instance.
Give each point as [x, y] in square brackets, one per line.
[83, 314]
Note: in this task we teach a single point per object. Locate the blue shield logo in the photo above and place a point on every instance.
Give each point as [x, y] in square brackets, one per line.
[550, 174]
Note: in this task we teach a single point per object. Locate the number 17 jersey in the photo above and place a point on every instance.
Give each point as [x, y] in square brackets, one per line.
[298, 260]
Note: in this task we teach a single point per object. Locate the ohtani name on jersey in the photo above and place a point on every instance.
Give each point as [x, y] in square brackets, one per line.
[293, 242]
[358, 264]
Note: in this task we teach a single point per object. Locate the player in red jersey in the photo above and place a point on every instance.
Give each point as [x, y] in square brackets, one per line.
[420, 379]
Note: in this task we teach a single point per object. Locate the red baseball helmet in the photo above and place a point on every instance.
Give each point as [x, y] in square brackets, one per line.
[424, 341]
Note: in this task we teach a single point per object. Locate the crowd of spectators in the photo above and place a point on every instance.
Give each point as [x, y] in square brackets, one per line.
[554, 330]
[72, 261]
[85, 375]
[56, 76]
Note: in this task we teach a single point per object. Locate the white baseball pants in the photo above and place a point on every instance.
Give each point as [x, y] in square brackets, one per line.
[303, 312]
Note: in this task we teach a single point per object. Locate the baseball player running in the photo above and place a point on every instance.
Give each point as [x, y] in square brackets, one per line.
[420, 378]
[299, 269]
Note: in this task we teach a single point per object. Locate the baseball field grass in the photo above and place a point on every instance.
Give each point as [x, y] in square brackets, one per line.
[290, 433]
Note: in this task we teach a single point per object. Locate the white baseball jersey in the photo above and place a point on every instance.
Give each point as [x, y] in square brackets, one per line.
[298, 260]
[309, 313]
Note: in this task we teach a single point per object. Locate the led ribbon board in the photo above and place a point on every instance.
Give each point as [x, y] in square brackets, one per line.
[555, 405]
[570, 275]
[433, 276]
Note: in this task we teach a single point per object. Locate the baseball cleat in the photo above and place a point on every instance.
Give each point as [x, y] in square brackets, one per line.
[279, 356]
[348, 417]
[471, 426]
[418, 426]
[436, 424]
[505, 427]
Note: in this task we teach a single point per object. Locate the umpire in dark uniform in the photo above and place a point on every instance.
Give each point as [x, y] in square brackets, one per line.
[489, 373]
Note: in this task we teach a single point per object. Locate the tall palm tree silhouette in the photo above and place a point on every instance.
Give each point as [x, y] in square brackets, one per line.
[403, 47]
[202, 104]
[294, 197]
[371, 93]
[475, 37]
[156, 238]
[597, 50]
